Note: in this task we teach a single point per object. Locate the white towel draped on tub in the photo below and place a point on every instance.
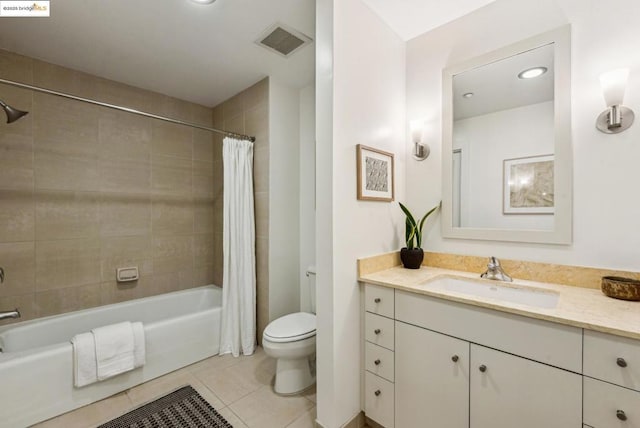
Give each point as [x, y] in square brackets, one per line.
[84, 359]
[139, 350]
[114, 349]
[107, 351]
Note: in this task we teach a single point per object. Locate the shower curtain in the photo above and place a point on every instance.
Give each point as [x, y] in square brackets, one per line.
[238, 328]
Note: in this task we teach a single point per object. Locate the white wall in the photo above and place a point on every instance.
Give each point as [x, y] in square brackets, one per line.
[284, 197]
[606, 206]
[307, 190]
[325, 368]
[360, 94]
[486, 141]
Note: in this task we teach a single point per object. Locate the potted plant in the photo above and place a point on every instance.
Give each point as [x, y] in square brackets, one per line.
[412, 255]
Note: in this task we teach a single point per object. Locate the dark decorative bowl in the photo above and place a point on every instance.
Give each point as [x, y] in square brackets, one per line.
[621, 288]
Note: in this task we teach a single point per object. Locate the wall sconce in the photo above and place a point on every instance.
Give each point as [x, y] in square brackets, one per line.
[420, 151]
[617, 117]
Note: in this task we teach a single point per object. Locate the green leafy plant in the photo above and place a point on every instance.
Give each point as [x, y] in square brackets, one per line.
[413, 229]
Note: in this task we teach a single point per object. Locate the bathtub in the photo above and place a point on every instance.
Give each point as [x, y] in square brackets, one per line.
[36, 373]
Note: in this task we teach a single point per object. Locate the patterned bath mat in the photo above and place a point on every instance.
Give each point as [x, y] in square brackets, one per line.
[184, 408]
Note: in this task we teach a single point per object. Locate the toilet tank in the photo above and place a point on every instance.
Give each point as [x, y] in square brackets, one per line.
[311, 283]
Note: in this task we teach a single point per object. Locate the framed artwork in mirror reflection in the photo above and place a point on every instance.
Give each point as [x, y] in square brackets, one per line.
[528, 185]
[375, 174]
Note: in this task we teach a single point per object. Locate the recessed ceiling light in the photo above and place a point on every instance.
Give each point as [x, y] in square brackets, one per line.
[203, 1]
[530, 73]
[468, 95]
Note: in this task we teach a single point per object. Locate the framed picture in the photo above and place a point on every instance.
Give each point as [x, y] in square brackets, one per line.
[375, 174]
[528, 185]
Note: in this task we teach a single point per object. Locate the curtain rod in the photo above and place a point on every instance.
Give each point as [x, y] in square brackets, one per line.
[125, 109]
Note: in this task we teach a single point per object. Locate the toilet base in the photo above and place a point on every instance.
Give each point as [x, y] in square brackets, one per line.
[294, 375]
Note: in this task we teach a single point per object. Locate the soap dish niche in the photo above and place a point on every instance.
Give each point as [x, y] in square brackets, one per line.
[127, 274]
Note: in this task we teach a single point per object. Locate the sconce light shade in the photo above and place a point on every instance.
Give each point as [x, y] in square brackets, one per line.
[614, 83]
[416, 127]
[420, 151]
[617, 117]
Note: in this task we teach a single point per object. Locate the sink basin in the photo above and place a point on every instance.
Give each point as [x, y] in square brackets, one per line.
[496, 291]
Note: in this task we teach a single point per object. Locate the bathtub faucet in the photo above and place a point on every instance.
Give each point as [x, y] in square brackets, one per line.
[10, 314]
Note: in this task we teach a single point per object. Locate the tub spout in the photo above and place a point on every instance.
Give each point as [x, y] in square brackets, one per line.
[10, 314]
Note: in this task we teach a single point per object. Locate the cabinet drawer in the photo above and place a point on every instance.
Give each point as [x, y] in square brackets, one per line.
[379, 330]
[378, 399]
[544, 341]
[378, 300]
[603, 402]
[613, 359]
[378, 360]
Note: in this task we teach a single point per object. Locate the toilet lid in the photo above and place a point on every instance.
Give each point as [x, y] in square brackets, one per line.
[292, 327]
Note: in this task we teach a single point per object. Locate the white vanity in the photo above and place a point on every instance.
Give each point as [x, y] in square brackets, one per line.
[441, 356]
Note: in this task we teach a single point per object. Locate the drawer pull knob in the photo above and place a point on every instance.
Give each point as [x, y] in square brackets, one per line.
[483, 368]
[621, 362]
[377, 362]
[377, 331]
[621, 415]
[378, 393]
[377, 300]
[455, 358]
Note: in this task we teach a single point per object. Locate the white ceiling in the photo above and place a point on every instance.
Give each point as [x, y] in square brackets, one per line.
[200, 53]
[410, 18]
[496, 86]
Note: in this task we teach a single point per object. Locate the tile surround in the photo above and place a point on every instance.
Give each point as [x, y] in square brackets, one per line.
[86, 189]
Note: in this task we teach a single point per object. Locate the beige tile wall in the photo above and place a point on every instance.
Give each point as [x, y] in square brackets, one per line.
[247, 113]
[85, 189]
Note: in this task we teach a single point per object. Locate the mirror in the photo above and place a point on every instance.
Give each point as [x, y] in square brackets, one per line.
[507, 143]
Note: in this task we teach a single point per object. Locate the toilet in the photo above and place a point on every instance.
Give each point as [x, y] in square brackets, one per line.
[291, 339]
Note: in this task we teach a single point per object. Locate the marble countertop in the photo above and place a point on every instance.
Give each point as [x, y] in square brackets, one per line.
[577, 306]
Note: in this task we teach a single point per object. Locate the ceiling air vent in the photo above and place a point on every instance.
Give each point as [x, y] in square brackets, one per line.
[283, 40]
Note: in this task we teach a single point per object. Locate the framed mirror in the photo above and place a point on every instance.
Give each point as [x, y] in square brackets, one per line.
[506, 149]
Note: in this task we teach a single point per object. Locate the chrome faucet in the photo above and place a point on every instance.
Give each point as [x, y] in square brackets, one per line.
[495, 272]
[10, 314]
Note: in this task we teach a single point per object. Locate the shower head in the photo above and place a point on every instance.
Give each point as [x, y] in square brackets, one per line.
[13, 114]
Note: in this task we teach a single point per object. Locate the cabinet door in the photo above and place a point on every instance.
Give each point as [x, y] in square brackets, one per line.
[509, 391]
[432, 379]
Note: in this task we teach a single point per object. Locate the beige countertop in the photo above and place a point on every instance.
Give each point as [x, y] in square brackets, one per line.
[577, 306]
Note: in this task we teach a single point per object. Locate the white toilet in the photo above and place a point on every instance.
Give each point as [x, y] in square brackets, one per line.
[292, 340]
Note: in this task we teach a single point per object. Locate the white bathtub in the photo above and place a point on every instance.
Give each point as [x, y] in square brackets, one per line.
[36, 374]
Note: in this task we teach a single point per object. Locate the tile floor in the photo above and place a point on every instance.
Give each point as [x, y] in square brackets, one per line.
[238, 388]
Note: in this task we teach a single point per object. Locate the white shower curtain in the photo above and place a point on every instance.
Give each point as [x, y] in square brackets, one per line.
[238, 330]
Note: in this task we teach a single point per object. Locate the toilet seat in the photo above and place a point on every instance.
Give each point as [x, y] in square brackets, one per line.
[291, 328]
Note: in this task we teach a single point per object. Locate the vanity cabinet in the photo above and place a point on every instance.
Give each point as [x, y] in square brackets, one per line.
[460, 366]
[432, 362]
